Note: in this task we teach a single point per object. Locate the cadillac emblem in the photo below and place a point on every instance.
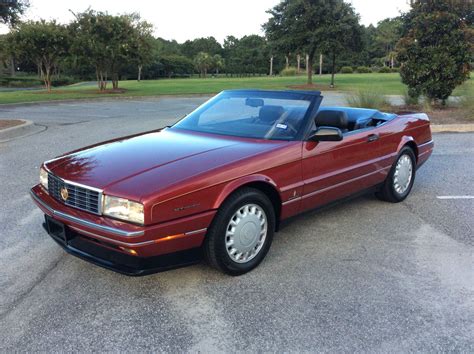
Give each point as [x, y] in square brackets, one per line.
[64, 193]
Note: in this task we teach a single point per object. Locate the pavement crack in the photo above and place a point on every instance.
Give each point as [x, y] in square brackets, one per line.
[14, 304]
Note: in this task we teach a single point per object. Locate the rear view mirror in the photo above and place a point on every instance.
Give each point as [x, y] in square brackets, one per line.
[254, 102]
[326, 134]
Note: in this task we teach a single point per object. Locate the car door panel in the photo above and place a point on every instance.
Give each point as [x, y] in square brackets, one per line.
[333, 170]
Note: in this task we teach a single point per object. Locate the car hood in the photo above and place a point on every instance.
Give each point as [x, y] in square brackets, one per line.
[168, 156]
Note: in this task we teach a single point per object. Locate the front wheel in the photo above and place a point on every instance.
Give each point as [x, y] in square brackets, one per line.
[241, 233]
[400, 179]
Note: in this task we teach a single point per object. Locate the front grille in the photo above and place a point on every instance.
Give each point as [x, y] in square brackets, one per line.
[78, 197]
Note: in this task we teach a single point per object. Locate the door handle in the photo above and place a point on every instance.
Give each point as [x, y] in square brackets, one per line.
[373, 137]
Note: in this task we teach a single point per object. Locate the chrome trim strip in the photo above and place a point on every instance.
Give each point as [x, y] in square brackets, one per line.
[195, 232]
[427, 143]
[128, 244]
[74, 183]
[345, 182]
[291, 201]
[85, 222]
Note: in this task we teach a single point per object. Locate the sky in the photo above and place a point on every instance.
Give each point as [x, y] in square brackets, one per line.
[189, 19]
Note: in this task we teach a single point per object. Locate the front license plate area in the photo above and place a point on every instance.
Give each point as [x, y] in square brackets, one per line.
[56, 229]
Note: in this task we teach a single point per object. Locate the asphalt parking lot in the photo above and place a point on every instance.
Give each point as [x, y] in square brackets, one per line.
[361, 276]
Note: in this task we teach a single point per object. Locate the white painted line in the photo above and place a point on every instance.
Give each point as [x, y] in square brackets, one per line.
[445, 197]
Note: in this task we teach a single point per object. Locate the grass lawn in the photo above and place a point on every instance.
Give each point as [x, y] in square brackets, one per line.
[389, 84]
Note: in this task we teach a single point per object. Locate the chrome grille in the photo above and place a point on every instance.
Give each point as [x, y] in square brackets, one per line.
[79, 197]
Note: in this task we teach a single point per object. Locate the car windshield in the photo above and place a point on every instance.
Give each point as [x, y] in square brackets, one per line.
[250, 114]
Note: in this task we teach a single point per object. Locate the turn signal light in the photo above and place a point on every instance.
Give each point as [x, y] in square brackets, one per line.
[128, 250]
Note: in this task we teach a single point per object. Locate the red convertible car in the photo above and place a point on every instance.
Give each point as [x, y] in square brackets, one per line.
[219, 182]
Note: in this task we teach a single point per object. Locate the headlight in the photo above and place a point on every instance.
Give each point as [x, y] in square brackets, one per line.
[44, 178]
[123, 209]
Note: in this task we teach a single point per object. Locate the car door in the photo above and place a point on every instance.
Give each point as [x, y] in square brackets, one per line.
[333, 170]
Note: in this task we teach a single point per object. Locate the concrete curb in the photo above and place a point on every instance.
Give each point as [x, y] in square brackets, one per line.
[452, 128]
[25, 129]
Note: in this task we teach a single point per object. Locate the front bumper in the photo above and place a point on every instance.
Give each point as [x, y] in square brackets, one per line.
[123, 247]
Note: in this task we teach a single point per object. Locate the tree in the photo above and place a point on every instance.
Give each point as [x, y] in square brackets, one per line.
[311, 26]
[388, 33]
[109, 43]
[44, 43]
[207, 45]
[435, 51]
[340, 33]
[247, 55]
[217, 63]
[203, 62]
[10, 11]
[143, 42]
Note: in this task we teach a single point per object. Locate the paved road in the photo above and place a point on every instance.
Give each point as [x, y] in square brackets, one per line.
[362, 276]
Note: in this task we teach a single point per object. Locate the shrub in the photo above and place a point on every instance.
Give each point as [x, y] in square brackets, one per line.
[289, 72]
[385, 70]
[346, 70]
[410, 99]
[395, 70]
[363, 70]
[368, 99]
[64, 81]
[466, 102]
[434, 64]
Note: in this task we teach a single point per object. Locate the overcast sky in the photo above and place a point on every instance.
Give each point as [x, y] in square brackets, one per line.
[189, 19]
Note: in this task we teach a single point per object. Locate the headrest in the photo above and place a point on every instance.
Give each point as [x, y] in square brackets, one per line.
[270, 113]
[329, 118]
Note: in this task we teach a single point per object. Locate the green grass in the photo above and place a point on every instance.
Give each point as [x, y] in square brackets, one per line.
[388, 84]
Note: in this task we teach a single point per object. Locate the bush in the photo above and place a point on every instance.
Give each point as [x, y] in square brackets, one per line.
[20, 81]
[64, 81]
[368, 99]
[363, 70]
[410, 99]
[289, 72]
[385, 70]
[433, 64]
[395, 70]
[346, 70]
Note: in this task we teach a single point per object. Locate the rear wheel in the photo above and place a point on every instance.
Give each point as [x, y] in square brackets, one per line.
[400, 179]
[241, 233]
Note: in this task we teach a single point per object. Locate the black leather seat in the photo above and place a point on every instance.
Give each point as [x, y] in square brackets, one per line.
[270, 114]
[336, 119]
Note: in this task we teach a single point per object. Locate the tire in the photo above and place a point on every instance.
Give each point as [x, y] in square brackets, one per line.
[238, 224]
[392, 191]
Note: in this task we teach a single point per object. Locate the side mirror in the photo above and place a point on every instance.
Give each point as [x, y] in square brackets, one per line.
[326, 134]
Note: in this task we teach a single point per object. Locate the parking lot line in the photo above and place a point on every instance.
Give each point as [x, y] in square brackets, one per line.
[445, 197]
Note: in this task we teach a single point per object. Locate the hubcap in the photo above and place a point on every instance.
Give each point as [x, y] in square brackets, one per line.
[403, 174]
[246, 233]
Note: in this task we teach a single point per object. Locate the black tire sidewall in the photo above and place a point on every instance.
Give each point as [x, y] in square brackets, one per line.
[219, 228]
[393, 193]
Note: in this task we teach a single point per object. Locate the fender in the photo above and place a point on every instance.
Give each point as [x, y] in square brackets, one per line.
[410, 141]
[236, 184]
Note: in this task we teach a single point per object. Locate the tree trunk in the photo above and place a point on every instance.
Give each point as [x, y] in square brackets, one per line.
[287, 61]
[307, 64]
[46, 77]
[320, 64]
[298, 61]
[271, 65]
[140, 67]
[333, 69]
[310, 68]
[12, 66]
[115, 81]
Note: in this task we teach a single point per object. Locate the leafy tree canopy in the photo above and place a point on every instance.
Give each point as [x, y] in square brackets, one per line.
[41, 42]
[307, 26]
[436, 49]
[10, 11]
